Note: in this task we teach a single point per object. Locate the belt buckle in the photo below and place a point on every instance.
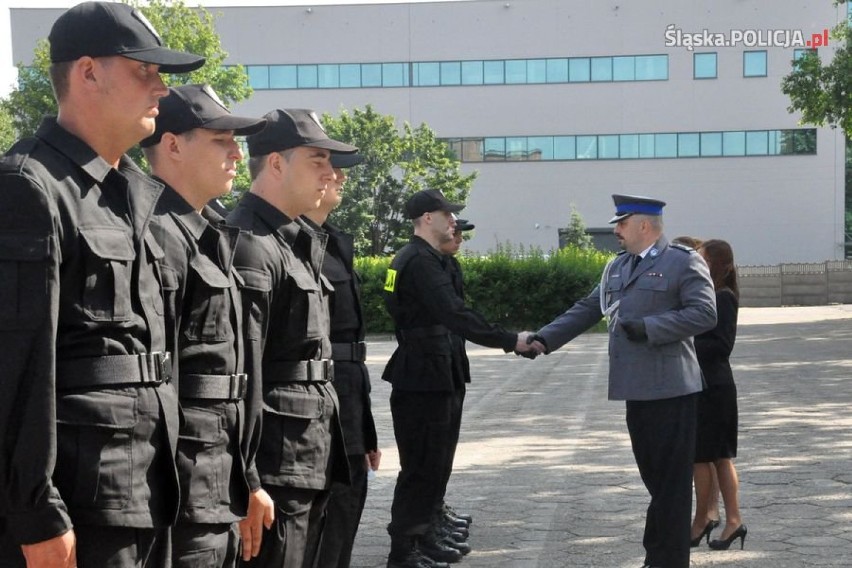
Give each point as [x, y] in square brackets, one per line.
[152, 367]
[359, 351]
[239, 386]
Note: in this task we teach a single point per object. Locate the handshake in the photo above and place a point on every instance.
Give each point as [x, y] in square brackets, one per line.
[530, 345]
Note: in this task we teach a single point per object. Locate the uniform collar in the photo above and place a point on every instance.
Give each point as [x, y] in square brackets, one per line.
[179, 208]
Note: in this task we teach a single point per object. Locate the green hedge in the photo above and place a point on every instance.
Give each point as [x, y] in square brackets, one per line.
[517, 289]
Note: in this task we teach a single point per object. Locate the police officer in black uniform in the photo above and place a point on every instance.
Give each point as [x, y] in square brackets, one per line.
[351, 380]
[89, 419]
[194, 153]
[287, 325]
[426, 373]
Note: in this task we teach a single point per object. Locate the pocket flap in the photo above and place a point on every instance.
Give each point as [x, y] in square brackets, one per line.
[100, 409]
[109, 243]
[24, 247]
[614, 284]
[207, 270]
[652, 283]
[305, 281]
[295, 403]
[255, 279]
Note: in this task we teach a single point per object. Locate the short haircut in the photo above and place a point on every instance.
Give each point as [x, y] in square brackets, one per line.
[257, 163]
[59, 78]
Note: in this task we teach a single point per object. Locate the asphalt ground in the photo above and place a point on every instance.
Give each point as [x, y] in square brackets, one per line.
[544, 463]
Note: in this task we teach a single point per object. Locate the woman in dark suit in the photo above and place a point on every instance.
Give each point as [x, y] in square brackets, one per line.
[716, 439]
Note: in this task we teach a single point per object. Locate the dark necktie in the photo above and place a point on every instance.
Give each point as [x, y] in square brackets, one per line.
[634, 262]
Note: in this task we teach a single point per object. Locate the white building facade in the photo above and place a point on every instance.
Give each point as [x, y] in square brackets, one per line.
[561, 103]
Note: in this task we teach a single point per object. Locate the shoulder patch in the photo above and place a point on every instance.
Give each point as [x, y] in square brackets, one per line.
[390, 281]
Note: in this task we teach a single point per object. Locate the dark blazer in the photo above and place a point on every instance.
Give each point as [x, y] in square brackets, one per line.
[714, 347]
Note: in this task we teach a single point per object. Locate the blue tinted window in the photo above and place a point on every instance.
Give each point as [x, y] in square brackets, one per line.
[516, 71]
[578, 70]
[757, 143]
[350, 75]
[665, 145]
[557, 70]
[471, 72]
[536, 71]
[652, 67]
[688, 145]
[516, 148]
[711, 143]
[394, 74]
[754, 64]
[608, 147]
[329, 76]
[258, 76]
[774, 142]
[564, 147]
[540, 147]
[704, 66]
[646, 146]
[624, 68]
[308, 76]
[733, 143]
[601, 68]
[283, 77]
[799, 53]
[495, 149]
[371, 75]
[451, 73]
[628, 145]
[493, 72]
[427, 74]
[587, 147]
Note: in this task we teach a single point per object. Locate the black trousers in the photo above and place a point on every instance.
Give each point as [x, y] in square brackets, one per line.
[108, 547]
[662, 433]
[422, 426]
[294, 538]
[201, 545]
[343, 514]
[455, 431]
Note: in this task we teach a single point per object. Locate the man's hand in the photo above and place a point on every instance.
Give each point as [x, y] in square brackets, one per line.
[57, 552]
[522, 346]
[538, 343]
[373, 459]
[634, 329]
[261, 513]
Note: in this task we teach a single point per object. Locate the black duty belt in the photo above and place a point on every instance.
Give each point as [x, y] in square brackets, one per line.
[421, 332]
[215, 387]
[145, 369]
[313, 371]
[356, 351]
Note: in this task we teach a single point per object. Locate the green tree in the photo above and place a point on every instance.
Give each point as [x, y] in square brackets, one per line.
[7, 130]
[823, 92]
[181, 27]
[397, 164]
[575, 233]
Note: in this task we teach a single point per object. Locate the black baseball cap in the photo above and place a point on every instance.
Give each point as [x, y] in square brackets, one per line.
[428, 200]
[464, 225]
[627, 205]
[291, 128]
[346, 160]
[198, 106]
[103, 29]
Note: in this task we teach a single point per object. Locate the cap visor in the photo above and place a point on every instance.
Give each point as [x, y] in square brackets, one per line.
[332, 145]
[453, 207]
[170, 61]
[466, 227]
[618, 218]
[241, 125]
[345, 160]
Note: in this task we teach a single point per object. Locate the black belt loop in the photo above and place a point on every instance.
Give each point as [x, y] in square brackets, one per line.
[355, 351]
[312, 371]
[213, 387]
[144, 369]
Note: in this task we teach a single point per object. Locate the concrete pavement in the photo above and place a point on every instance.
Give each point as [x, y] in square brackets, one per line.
[545, 466]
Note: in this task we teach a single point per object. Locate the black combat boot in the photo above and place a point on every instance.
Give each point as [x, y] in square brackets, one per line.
[438, 549]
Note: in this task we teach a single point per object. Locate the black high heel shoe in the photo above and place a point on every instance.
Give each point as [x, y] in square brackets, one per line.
[725, 544]
[708, 528]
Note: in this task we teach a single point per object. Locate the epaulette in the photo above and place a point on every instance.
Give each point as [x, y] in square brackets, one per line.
[14, 158]
[684, 248]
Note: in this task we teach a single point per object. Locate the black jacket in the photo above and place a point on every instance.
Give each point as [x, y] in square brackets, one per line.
[287, 324]
[427, 310]
[714, 347]
[80, 281]
[204, 330]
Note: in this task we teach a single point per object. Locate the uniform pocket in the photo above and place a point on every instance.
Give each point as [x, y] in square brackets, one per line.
[94, 463]
[306, 315]
[210, 303]
[23, 280]
[203, 461]
[109, 255]
[295, 432]
[256, 288]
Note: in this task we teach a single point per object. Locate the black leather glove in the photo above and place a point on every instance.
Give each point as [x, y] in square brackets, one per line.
[540, 339]
[634, 329]
[527, 354]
